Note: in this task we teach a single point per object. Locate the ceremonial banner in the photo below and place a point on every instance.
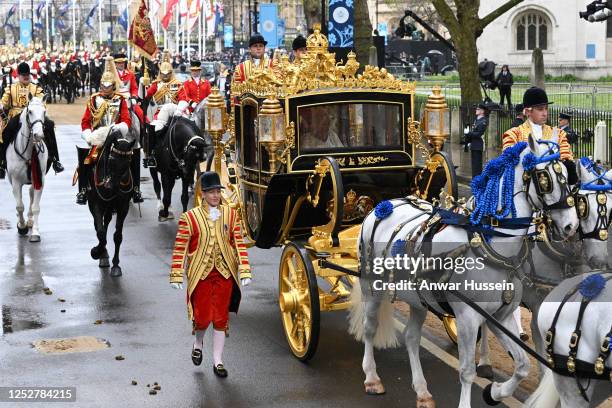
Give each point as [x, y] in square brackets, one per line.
[341, 23]
[141, 34]
[268, 15]
[228, 36]
[25, 31]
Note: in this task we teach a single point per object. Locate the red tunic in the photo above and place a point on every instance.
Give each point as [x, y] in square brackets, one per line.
[124, 115]
[127, 75]
[194, 92]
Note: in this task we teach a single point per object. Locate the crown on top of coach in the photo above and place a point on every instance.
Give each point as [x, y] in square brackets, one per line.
[317, 42]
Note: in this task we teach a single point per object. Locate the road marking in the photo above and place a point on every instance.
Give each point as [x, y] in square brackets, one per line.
[452, 362]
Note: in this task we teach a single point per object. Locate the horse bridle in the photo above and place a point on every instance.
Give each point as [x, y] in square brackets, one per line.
[601, 187]
[113, 150]
[542, 179]
[30, 126]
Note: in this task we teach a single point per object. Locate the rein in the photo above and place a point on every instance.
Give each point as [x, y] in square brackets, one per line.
[104, 183]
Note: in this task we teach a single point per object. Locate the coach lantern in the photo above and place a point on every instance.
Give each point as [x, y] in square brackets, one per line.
[271, 128]
[436, 121]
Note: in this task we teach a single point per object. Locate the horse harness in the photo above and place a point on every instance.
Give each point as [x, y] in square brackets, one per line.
[106, 180]
[171, 132]
[570, 365]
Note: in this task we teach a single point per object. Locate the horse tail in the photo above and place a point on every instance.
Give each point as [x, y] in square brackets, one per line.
[545, 395]
[385, 335]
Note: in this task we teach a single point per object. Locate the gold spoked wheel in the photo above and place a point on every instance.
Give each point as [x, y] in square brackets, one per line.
[299, 301]
[450, 325]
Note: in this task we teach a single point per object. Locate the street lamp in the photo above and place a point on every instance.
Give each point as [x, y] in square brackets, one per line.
[271, 128]
[215, 118]
[436, 119]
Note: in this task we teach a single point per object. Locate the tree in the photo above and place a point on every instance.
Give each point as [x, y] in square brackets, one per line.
[465, 27]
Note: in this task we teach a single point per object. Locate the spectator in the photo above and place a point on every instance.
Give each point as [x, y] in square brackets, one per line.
[564, 124]
[505, 82]
[519, 116]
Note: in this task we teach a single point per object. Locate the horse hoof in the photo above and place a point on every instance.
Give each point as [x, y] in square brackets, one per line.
[374, 388]
[427, 402]
[487, 397]
[116, 271]
[22, 230]
[104, 262]
[162, 219]
[170, 215]
[35, 238]
[485, 371]
[30, 223]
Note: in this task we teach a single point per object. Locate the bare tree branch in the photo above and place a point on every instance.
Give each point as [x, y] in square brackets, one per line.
[488, 19]
[447, 15]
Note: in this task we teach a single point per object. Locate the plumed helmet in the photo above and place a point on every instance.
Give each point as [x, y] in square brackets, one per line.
[165, 68]
[110, 76]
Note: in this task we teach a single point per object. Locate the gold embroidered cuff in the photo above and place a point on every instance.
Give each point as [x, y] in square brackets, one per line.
[244, 272]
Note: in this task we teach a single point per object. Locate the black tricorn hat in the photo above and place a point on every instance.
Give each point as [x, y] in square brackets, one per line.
[298, 42]
[121, 57]
[257, 38]
[535, 96]
[210, 180]
[23, 68]
[565, 115]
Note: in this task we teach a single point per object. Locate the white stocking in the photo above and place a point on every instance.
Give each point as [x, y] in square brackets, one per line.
[218, 344]
[199, 339]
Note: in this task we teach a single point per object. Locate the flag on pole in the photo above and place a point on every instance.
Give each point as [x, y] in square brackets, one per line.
[40, 8]
[141, 34]
[195, 8]
[219, 20]
[64, 9]
[9, 15]
[90, 16]
[123, 19]
[170, 6]
[154, 8]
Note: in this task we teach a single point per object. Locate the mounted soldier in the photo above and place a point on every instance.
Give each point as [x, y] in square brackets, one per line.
[106, 111]
[14, 100]
[163, 91]
[194, 90]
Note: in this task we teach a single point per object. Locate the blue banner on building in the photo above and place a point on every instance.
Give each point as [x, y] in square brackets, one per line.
[382, 30]
[268, 16]
[25, 31]
[281, 32]
[341, 23]
[228, 36]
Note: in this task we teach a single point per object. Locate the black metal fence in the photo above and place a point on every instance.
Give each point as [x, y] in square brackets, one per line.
[583, 122]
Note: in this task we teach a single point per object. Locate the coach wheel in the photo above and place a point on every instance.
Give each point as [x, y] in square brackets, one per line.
[299, 301]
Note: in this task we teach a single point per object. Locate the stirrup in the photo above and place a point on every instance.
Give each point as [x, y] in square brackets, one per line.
[57, 166]
[81, 198]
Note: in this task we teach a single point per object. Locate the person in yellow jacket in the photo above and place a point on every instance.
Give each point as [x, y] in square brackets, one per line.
[209, 243]
[535, 108]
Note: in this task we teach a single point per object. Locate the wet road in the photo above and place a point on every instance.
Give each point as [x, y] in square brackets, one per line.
[144, 320]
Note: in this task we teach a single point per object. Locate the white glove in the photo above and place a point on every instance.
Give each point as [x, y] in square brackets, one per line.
[86, 136]
[466, 130]
[180, 108]
[245, 281]
[194, 105]
[177, 285]
[1, 106]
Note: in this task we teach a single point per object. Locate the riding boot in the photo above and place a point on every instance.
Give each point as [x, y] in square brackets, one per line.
[150, 143]
[83, 176]
[135, 169]
[50, 140]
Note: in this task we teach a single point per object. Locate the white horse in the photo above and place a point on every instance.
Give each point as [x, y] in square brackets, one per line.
[594, 196]
[371, 311]
[27, 164]
[554, 261]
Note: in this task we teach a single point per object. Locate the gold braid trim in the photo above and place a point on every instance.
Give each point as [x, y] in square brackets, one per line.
[98, 113]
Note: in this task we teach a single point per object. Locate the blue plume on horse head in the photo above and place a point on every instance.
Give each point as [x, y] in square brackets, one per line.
[498, 173]
[600, 182]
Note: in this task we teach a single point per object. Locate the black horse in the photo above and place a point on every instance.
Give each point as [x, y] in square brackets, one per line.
[179, 150]
[110, 190]
[83, 68]
[95, 74]
[69, 81]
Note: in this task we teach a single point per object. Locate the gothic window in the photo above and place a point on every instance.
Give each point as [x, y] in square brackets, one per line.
[532, 31]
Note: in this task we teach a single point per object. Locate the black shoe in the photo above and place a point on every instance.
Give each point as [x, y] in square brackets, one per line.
[57, 166]
[220, 371]
[81, 198]
[137, 196]
[196, 356]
